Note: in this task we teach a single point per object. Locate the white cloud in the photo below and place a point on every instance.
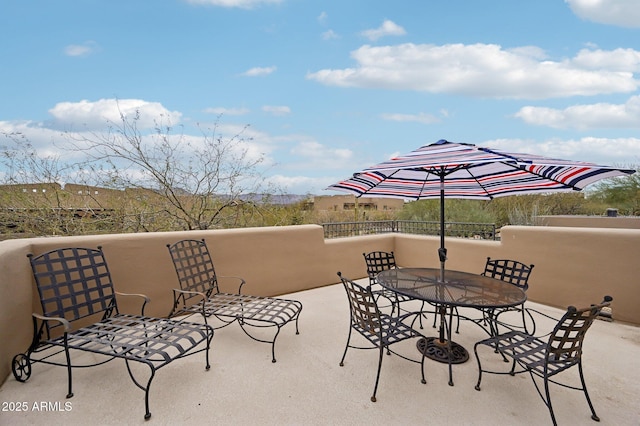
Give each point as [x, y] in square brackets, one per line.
[623, 13]
[84, 49]
[533, 52]
[303, 164]
[48, 139]
[622, 60]
[588, 116]
[322, 18]
[259, 71]
[317, 156]
[604, 151]
[388, 28]
[300, 184]
[329, 35]
[43, 139]
[227, 111]
[98, 114]
[257, 142]
[276, 110]
[486, 70]
[242, 4]
[417, 118]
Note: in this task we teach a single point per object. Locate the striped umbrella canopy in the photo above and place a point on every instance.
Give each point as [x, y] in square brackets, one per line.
[459, 170]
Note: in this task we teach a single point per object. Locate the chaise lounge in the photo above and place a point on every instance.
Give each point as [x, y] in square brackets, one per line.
[199, 293]
[75, 287]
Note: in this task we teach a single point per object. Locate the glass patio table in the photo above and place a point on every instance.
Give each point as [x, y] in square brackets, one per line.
[459, 289]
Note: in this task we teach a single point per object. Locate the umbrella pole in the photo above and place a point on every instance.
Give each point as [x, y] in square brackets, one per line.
[442, 251]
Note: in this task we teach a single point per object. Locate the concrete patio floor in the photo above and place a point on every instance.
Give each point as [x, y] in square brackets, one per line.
[308, 387]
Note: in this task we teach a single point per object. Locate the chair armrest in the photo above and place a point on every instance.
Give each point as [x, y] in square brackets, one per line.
[66, 324]
[144, 304]
[239, 279]
[551, 317]
[542, 314]
[184, 295]
[177, 292]
[415, 315]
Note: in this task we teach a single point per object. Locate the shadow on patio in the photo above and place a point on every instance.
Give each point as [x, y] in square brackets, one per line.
[306, 385]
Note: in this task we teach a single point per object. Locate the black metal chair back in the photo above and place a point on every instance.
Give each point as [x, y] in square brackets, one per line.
[73, 283]
[380, 329]
[546, 358]
[200, 293]
[378, 261]
[365, 315]
[194, 266]
[511, 271]
[564, 347]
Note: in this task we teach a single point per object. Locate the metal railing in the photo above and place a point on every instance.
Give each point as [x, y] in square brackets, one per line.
[481, 231]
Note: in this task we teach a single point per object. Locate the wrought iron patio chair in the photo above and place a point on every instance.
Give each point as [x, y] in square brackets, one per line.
[376, 262]
[381, 330]
[516, 273]
[199, 293]
[75, 287]
[544, 359]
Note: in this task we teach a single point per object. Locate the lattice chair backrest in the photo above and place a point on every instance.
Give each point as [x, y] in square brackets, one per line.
[365, 314]
[511, 271]
[378, 261]
[194, 266]
[566, 339]
[73, 283]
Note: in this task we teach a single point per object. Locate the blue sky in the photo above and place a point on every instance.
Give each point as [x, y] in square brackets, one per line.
[330, 87]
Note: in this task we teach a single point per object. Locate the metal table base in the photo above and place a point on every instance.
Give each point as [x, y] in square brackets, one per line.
[439, 351]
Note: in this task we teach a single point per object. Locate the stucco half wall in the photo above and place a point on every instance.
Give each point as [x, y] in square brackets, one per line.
[574, 266]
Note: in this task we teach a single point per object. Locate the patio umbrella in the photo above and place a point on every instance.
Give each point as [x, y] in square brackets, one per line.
[459, 170]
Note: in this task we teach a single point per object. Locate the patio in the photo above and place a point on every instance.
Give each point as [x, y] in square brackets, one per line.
[306, 385]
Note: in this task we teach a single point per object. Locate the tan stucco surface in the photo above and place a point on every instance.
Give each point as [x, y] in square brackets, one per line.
[308, 387]
[574, 266]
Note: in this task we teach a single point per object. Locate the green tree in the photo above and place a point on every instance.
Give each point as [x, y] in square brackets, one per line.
[456, 210]
[622, 193]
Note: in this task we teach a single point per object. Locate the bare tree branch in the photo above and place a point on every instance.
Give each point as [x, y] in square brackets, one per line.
[199, 181]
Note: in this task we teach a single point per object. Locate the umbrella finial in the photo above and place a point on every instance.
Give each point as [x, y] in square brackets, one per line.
[441, 141]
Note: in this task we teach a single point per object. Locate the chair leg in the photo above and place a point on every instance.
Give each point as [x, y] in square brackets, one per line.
[490, 318]
[475, 351]
[345, 348]
[395, 305]
[594, 416]
[69, 376]
[421, 314]
[273, 346]
[525, 314]
[548, 401]
[424, 379]
[375, 388]
[209, 339]
[458, 319]
[147, 414]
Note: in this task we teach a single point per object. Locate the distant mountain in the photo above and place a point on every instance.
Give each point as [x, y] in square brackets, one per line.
[279, 199]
